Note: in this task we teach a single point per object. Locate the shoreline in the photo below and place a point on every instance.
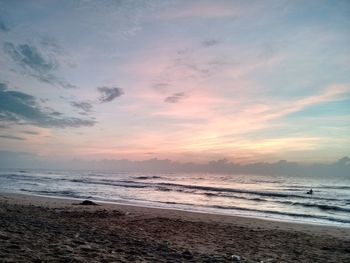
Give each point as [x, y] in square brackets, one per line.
[48, 229]
[141, 205]
[59, 202]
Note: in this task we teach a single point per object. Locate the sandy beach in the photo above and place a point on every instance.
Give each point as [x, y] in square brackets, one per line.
[40, 229]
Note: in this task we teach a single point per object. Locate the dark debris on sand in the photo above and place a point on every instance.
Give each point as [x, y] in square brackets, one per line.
[86, 202]
[37, 234]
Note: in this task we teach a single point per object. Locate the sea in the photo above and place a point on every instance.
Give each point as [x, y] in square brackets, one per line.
[274, 197]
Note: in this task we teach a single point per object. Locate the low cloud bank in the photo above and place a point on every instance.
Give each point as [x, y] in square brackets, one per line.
[22, 160]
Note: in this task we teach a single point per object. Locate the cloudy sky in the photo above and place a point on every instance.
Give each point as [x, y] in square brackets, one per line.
[185, 80]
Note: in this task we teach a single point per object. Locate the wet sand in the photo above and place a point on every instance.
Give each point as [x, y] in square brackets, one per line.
[39, 229]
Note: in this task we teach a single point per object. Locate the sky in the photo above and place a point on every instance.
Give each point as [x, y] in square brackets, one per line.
[189, 81]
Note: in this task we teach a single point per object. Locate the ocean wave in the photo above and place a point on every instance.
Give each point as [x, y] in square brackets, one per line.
[286, 213]
[257, 199]
[147, 177]
[235, 197]
[235, 190]
[303, 188]
[321, 206]
[121, 183]
[271, 212]
[65, 193]
[340, 187]
[267, 212]
[27, 177]
[19, 176]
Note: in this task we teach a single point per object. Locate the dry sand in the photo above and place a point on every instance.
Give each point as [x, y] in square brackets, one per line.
[39, 229]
